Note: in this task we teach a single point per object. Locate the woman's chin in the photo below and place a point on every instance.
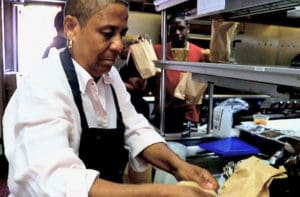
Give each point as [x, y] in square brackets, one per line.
[105, 69]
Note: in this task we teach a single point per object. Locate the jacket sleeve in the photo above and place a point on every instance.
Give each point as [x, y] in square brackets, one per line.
[41, 132]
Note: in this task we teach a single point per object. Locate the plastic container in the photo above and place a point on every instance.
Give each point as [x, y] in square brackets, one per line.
[260, 119]
[230, 147]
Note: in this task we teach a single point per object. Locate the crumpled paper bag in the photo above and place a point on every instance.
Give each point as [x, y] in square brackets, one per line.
[251, 178]
[222, 34]
[143, 55]
[190, 91]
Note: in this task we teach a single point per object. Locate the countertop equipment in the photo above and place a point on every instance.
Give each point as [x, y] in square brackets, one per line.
[254, 100]
[275, 108]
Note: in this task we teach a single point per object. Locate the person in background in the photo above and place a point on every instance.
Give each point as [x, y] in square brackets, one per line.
[60, 40]
[70, 128]
[134, 83]
[177, 111]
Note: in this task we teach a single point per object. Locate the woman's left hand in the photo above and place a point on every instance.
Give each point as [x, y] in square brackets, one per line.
[203, 177]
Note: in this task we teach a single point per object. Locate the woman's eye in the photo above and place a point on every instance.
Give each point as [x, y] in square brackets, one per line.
[123, 33]
[107, 35]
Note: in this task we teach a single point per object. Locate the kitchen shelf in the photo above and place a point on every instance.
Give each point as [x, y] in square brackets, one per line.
[234, 8]
[165, 4]
[261, 79]
[252, 78]
[267, 74]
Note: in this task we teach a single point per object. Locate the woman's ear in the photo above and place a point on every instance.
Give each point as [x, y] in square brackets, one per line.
[71, 26]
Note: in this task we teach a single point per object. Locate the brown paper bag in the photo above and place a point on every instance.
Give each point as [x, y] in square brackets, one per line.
[222, 33]
[251, 178]
[190, 90]
[143, 55]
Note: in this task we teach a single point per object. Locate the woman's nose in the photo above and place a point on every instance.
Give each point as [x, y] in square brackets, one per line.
[117, 44]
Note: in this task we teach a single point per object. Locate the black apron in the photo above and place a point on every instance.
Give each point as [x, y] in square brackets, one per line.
[100, 149]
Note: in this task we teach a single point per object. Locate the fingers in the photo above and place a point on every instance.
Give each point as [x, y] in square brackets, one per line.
[207, 181]
[195, 185]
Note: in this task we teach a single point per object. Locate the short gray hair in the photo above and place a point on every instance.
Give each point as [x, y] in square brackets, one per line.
[85, 9]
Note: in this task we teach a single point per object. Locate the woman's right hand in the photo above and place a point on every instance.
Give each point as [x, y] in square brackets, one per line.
[182, 191]
[106, 188]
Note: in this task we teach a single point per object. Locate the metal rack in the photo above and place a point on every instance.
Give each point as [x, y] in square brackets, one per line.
[236, 8]
[260, 79]
[164, 4]
[256, 73]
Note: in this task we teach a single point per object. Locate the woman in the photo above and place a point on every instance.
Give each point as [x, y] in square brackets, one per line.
[68, 122]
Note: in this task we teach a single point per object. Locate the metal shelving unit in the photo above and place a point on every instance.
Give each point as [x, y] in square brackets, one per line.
[251, 78]
[256, 73]
[255, 78]
[165, 4]
[237, 8]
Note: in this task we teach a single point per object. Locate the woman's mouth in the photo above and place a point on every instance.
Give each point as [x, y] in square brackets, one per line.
[107, 61]
[106, 66]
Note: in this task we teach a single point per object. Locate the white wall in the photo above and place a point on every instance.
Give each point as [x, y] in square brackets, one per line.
[34, 33]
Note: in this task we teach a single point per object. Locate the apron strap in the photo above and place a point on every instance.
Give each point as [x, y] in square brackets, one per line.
[97, 145]
[66, 60]
[119, 114]
[67, 63]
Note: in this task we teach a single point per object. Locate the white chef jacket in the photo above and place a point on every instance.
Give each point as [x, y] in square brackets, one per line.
[42, 129]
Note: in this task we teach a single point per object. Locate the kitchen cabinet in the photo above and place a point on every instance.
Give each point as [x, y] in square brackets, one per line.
[262, 79]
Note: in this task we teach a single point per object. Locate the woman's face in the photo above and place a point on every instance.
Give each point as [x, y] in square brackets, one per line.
[97, 44]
